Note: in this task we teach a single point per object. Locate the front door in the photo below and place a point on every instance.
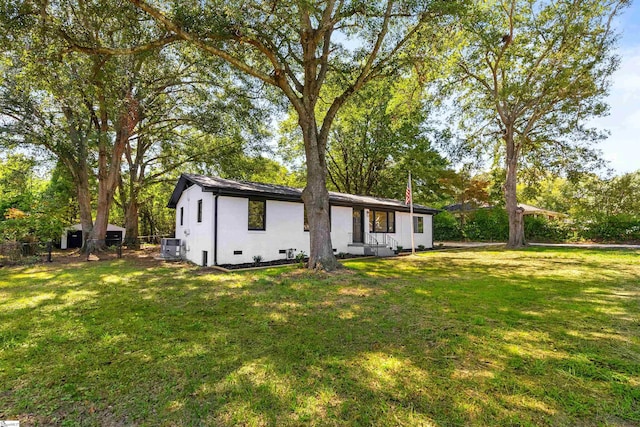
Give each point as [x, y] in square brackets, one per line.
[358, 225]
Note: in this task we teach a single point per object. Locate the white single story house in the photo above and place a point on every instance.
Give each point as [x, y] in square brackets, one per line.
[72, 236]
[222, 221]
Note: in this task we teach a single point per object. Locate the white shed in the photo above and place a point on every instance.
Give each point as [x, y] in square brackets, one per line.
[72, 236]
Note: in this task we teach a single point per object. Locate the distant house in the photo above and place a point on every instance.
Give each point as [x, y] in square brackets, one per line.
[533, 211]
[72, 236]
[222, 221]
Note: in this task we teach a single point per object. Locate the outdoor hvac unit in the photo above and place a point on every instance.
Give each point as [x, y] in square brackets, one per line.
[170, 248]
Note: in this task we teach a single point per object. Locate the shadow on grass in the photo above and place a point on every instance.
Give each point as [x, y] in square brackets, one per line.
[484, 338]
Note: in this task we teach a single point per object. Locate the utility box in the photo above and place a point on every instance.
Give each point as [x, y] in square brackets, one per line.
[170, 249]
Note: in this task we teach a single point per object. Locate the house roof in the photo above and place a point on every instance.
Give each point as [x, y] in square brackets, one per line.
[466, 207]
[110, 227]
[228, 187]
[528, 209]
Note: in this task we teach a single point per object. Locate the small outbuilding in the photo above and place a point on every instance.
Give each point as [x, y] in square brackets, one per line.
[72, 236]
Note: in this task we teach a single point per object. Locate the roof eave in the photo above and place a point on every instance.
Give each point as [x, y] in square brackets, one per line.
[184, 179]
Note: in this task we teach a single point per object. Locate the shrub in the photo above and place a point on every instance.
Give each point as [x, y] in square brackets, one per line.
[300, 258]
[18, 226]
[539, 229]
[487, 225]
[446, 227]
[613, 228]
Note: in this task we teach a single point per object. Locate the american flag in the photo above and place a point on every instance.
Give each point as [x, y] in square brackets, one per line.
[407, 195]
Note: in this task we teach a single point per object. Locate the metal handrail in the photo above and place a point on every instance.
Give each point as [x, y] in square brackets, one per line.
[370, 239]
[391, 243]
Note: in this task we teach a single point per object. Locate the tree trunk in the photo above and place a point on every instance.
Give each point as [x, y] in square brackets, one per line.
[516, 222]
[81, 179]
[316, 199]
[108, 174]
[131, 223]
[136, 181]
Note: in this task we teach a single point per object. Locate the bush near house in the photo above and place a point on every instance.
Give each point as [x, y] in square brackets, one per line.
[612, 228]
[490, 225]
[480, 225]
[487, 225]
[446, 227]
[538, 229]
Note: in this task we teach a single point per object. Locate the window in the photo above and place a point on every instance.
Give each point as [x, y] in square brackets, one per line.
[257, 211]
[182, 216]
[200, 210]
[391, 222]
[382, 222]
[418, 224]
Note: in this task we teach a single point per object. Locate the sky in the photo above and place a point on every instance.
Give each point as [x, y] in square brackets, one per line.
[622, 148]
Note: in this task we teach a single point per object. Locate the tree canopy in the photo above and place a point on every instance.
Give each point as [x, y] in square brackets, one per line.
[531, 73]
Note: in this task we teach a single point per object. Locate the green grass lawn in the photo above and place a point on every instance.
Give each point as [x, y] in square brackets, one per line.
[485, 337]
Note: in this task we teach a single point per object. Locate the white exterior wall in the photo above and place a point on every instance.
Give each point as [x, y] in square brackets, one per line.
[341, 226]
[196, 236]
[284, 229]
[403, 230]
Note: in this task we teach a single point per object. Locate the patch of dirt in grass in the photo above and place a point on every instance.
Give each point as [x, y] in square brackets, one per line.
[33, 420]
[145, 257]
[304, 273]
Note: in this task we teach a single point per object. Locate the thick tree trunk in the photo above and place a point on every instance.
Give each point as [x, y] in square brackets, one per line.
[136, 181]
[81, 179]
[131, 223]
[516, 222]
[108, 174]
[316, 200]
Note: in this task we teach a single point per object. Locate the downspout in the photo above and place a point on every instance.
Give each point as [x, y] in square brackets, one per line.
[215, 230]
[433, 216]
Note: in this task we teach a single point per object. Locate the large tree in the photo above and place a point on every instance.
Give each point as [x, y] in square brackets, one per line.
[532, 72]
[296, 47]
[81, 108]
[189, 114]
[379, 135]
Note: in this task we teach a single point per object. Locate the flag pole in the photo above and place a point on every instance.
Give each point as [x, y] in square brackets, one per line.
[413, 246]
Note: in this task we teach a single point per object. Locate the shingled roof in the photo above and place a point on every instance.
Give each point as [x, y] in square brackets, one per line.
[528, 209]
[229, 187]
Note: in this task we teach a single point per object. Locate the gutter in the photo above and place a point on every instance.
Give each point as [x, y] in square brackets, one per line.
[432, 242]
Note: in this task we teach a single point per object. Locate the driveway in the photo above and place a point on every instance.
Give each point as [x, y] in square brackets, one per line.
[588, 245]
[559, 245]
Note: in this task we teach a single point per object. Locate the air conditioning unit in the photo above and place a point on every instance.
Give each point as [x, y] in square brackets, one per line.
[170, 248]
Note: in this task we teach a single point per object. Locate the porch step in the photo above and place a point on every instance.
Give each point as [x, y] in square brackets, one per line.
[380, 250]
